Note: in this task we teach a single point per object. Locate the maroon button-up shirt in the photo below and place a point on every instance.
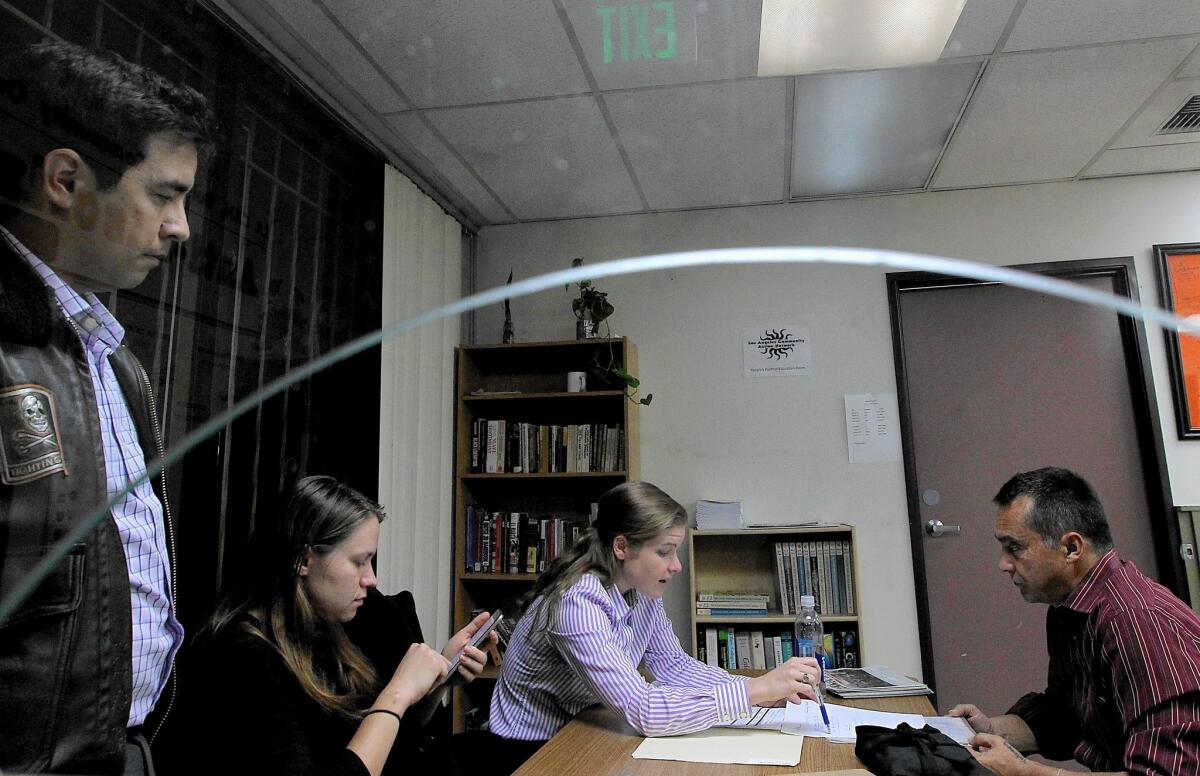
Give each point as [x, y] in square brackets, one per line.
[1123, 690]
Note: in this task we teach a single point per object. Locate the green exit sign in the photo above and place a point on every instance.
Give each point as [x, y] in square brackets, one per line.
[638, 31]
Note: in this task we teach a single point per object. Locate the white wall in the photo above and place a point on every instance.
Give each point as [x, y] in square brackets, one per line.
[779, 445]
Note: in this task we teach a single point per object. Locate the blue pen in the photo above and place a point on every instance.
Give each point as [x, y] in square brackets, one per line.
[820, 688]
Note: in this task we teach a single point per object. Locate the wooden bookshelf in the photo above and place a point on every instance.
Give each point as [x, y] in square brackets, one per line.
[526, 382]
[744, 561]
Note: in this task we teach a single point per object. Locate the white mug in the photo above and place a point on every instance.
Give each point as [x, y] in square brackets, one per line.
[576, 382]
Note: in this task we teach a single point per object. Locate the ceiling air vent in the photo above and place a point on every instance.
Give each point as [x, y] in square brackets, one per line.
[1186, 119]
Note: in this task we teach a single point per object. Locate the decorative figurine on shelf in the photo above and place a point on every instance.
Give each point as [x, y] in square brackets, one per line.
[507, 337]
[590, 307]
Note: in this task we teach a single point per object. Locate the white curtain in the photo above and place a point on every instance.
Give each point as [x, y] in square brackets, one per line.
[422, 268]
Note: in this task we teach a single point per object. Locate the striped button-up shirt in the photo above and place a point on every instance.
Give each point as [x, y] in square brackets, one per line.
[562, 659]
[156, 632]
[1124, 679]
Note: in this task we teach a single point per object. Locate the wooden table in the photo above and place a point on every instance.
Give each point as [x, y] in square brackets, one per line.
[599, 743]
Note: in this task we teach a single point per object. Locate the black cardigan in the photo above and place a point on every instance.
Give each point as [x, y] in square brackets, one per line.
[248, 714]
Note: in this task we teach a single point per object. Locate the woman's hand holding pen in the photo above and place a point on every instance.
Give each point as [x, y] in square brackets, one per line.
[794, 681]
[473, 658]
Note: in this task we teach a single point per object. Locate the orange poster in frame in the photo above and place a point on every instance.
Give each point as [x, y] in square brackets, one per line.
[1179, 286]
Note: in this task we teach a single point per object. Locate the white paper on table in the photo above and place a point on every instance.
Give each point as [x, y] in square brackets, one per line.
[745, 746]
[956, 727]
[804, 719]
[762, 718]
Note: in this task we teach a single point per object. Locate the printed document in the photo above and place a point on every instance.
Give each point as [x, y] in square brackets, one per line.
[804, 719]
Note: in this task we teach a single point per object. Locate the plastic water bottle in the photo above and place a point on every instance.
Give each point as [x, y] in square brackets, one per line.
[810, 635]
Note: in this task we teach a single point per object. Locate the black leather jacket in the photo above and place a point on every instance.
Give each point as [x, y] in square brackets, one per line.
[66, 653]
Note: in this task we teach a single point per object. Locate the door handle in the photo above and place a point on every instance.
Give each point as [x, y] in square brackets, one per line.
[937, 529]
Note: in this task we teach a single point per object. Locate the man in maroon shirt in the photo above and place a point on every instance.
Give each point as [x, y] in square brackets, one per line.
[1123, 689]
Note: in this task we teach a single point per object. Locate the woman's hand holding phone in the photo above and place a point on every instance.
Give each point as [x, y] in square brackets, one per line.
[465, 650]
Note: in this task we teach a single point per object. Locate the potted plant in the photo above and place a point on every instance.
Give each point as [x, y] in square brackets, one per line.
[592, 307]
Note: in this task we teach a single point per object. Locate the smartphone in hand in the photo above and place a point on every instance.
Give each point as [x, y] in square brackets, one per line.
[477, 638]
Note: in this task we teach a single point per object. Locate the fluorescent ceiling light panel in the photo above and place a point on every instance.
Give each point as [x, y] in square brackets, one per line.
[812, 36]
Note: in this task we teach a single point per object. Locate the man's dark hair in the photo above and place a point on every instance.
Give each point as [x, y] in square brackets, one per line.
[98, 104]
[1062, 501]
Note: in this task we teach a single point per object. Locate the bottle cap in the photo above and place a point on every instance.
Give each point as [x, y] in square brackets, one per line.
[808, 602]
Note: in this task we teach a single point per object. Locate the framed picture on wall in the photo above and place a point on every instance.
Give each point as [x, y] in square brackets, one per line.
[1179, 289]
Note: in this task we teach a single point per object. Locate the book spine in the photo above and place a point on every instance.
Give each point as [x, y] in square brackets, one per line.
[756, 598]
[710, 644]
[786, 643]
[827, 604]
[491, 461]
[499, 541]
[543, 547]
[733, 653]
[702, 611]
[850, 650]
[745, 656]
[470, 540]
[723, 648]
[529, 543]
[758, 652]
[835, 580]
[850, 595]
[485, 556]
[781, 579]
[815, 575]
[802, 568]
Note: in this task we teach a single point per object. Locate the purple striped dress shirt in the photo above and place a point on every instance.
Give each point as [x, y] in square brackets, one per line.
[1124, 680]
[587, 650]
[156, 632]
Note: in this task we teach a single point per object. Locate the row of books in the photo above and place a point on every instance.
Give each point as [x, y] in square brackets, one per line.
[504, 446]
[515, 542]
[733, 647]
[731, 604]
[822, 569]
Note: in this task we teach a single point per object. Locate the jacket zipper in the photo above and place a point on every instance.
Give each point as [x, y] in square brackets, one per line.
[167, 526]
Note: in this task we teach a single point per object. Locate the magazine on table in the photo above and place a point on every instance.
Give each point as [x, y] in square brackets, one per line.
[872, 682]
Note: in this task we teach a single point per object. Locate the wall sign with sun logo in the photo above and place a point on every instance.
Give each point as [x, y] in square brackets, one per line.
[776, 351]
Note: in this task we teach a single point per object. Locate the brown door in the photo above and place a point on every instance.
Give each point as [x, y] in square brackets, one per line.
[995, 380]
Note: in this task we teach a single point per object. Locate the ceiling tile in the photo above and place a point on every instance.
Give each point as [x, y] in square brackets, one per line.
[1140, 160]
[979, 28]
[658, 44]
[544, 159]
[450, 52]
[694, 146]
[880, 130]
[413, 130]
[1059, 23]
[328, 42]
[1141, 132]
[1043, 116]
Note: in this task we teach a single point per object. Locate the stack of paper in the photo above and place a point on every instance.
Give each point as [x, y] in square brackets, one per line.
[804, 719]
[718, 515]
[872, 682]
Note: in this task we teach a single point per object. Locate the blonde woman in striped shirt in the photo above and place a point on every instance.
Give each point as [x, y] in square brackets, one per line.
[596, 616]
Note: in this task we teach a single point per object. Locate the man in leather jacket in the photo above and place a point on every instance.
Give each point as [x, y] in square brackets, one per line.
[86, 660]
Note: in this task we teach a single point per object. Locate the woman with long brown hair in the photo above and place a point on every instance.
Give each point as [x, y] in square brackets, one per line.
[596, 616]
[280, 687]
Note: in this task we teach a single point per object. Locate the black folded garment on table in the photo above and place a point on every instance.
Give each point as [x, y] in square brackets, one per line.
[907, 751]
